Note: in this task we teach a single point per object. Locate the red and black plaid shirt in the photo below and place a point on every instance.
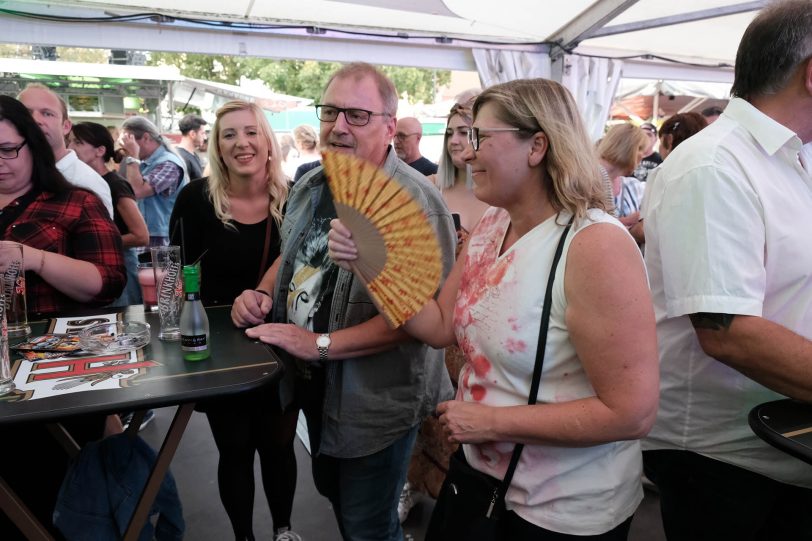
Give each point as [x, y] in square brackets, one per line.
[75, 224]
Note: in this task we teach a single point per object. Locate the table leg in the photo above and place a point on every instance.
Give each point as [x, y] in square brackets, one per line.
[20, 515]
[168, 448]
[61, 435]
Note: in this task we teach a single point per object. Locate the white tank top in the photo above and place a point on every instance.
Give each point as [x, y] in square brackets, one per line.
[578, 491]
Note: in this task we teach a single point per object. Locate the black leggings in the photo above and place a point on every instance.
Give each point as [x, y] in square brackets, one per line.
[242, 426]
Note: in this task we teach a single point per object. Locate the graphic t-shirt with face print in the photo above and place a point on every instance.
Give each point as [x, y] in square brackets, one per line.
[311, 288]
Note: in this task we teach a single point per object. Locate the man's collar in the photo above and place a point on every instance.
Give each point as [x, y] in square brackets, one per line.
[184, 141]
[65, 153]
[153, 156]
[391, 161]
[769, 133]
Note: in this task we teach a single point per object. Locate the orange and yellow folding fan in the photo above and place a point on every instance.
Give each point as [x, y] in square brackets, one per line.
[398, 253]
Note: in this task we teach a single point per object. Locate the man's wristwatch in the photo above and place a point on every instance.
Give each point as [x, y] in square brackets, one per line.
[323, 344]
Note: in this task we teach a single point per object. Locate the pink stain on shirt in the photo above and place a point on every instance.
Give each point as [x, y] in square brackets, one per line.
[496, 457]
[513, 346]
[478, 392]
[466, 377]
[481, 365]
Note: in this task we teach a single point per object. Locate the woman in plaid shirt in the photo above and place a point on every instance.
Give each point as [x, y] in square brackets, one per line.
[71, 248]
[72, 258]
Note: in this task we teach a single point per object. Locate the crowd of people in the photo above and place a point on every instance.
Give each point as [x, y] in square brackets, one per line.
[679, 303]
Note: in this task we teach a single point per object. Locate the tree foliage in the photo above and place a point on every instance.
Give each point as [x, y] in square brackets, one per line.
[14, 51]
[305, 78]
[79, 54]
[66, 54]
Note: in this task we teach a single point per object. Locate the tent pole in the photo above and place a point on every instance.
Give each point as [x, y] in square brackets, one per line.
[655, 103]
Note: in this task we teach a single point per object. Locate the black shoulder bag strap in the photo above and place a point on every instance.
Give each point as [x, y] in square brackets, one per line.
[542, 346]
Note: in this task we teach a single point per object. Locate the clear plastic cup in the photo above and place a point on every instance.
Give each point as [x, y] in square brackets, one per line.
[146, 279]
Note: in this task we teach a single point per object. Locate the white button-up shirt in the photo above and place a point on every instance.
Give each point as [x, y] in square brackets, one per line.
[728, 230]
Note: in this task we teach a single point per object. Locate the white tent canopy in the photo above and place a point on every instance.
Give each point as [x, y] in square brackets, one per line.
[689, 40]
[428, 33]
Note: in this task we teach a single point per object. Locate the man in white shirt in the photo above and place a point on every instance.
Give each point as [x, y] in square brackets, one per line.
[51, 114]
[729, 255]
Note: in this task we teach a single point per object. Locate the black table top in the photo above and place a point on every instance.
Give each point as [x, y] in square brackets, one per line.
[237, 363]
[786, 425]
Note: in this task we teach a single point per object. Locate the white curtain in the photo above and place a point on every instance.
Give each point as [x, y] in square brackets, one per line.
[593, 83]
[499, 66]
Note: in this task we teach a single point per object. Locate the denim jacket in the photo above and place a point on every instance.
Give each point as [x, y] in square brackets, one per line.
[373, 400]
[157, 208]
[101, 489]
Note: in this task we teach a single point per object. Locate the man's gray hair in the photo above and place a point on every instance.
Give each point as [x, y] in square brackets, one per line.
[139, 125]
[386, 88]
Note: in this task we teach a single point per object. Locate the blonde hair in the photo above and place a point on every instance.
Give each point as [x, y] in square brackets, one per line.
[621, 144]
[219, 180]
[534, 105]
[306, 136]
[446, 171]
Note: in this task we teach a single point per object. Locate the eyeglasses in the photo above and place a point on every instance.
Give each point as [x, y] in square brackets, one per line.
[354, 117]
[9, 153]
[403, 136]
[475, 133]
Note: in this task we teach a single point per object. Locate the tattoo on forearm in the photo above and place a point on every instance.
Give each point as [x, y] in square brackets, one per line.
[714, 322]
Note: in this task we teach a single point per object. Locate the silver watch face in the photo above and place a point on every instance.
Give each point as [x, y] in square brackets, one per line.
[323, 341]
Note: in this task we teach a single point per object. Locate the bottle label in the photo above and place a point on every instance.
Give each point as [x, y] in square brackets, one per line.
[195, 342]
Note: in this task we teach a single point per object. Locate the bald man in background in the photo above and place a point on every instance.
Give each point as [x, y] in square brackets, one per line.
[408, 133]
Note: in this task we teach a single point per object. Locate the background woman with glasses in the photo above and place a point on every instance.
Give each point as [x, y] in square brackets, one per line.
[579, 473]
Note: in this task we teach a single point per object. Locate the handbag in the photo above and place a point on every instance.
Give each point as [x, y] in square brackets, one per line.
[471, 503]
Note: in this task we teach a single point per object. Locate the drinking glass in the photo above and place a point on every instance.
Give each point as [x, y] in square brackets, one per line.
[166, 264]
[146, 279]
[13, 289]
[6, 381]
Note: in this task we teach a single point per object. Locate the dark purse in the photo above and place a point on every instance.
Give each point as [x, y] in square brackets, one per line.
[471, 503]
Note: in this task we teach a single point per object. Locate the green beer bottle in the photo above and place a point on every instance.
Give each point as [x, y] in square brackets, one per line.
[194, 323]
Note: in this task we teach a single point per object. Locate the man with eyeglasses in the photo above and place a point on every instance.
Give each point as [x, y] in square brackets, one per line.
[408, 133]
[364, 387]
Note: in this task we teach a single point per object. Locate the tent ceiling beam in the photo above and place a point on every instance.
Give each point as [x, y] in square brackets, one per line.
[681, 18]
[266, 44]
[588, 21]
[693, 104]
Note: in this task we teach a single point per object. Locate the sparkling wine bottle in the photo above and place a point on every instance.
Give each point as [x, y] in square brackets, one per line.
[194, 324]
